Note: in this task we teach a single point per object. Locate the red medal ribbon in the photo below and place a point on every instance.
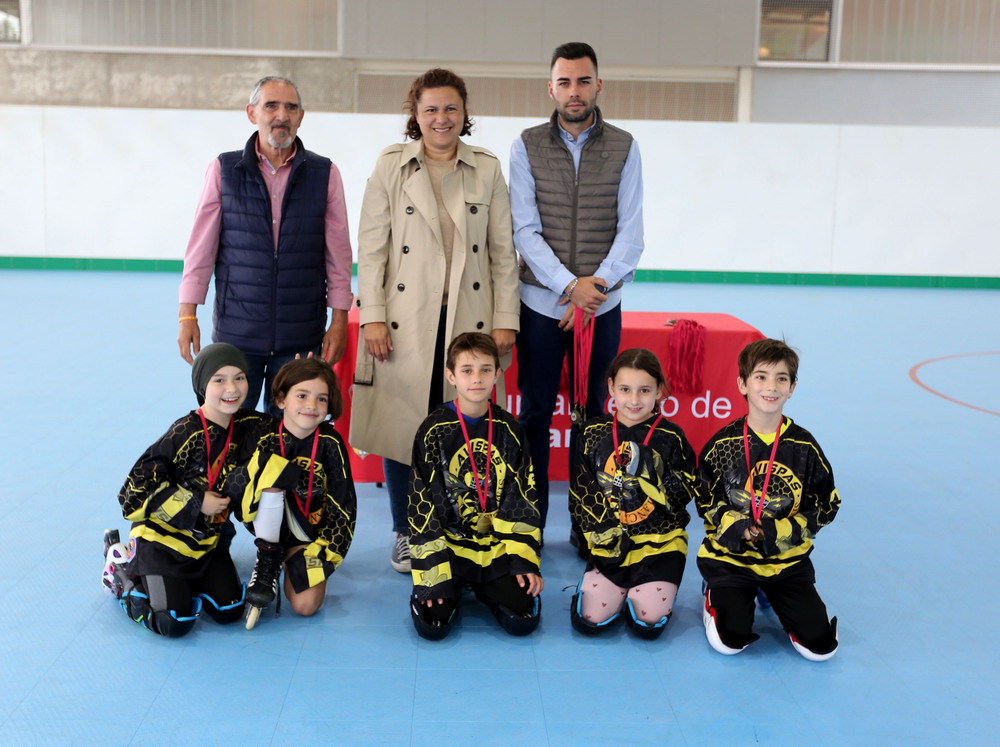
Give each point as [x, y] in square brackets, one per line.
[213, 476]
[645, 441]
[757, 506]
[583, 344]
[481, 491]
[312, 467]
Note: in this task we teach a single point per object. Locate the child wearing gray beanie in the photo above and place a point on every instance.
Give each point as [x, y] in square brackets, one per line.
[212, 358]
[178, 563]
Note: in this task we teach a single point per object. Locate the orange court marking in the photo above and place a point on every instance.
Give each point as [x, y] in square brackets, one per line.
[913, 375]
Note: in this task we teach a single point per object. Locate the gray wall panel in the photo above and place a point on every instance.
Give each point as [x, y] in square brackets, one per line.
[637, 41]
[583, 21]
[714, 32]
[624, 33]
[392, 30]
[736, 33]
[515, 31]
[454, 30]
[889, 97]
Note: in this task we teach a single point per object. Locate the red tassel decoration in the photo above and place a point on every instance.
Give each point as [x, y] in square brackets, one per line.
[687, 357]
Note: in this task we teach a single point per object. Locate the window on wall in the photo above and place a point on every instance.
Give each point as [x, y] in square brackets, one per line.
[10, 21]
[795, 30]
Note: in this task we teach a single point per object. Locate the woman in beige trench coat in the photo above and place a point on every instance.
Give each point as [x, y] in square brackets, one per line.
[435, 259]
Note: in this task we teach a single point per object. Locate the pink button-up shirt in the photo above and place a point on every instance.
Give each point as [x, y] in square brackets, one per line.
[203, 246]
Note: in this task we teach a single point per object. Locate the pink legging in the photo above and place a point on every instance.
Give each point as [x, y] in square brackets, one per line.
[603, 599]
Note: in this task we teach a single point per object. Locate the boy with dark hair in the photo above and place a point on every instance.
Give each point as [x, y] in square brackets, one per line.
[472, 512]
[770, 490]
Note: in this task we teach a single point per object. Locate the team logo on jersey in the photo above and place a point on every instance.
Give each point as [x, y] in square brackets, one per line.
[318, 487]
[784, 491]
[460, 481]
[627, 488]
[459, 465]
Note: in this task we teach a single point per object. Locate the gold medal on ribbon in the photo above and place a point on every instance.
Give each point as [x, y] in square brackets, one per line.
[577, 415]
[484, 525]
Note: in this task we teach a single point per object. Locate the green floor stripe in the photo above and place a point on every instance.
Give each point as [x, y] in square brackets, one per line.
[83, 263]
[826, 279]
[642, 276]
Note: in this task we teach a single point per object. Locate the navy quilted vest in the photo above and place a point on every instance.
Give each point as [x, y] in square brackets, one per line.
[266, 301]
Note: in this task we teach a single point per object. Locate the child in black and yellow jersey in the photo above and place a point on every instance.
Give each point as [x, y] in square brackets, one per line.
[769, 491]
[179, 563]
[294, 490]
[472, 513]
[633, 478]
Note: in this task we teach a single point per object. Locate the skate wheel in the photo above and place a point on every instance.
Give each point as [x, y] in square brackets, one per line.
[252, 614]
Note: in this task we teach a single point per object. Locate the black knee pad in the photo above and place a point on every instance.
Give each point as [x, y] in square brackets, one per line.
[225, 613]
[171, 625]
[515, 623]
[426, 627]
[649, 631]
[167, 623]
[586, 626]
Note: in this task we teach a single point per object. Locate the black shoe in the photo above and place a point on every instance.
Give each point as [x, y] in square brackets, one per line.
[263, 586]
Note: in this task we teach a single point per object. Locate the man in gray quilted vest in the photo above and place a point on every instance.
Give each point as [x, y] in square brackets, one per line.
[576, 202]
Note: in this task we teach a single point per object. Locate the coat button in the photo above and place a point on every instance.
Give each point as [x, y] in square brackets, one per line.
[475, 286]
[406, 250]
[358, 303]
[409, 210]
[480, 325]
[473, 210]
[475, 248]
[401, 287]
[394, 325]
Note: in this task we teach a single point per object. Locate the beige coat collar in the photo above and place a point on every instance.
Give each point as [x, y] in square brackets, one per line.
[417, 186]
[414, 151]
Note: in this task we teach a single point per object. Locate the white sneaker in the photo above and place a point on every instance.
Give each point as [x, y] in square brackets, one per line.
[400, 559]
[711, 632]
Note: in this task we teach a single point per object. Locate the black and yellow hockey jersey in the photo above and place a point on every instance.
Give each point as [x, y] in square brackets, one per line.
[322, 520]
[451, 536]
[801, 499]
[632, 510]
[163, 493]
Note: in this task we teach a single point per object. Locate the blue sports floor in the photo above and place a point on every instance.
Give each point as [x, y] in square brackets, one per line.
[91, 375]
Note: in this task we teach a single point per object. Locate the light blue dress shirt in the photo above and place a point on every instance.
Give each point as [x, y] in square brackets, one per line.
[625, 251]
